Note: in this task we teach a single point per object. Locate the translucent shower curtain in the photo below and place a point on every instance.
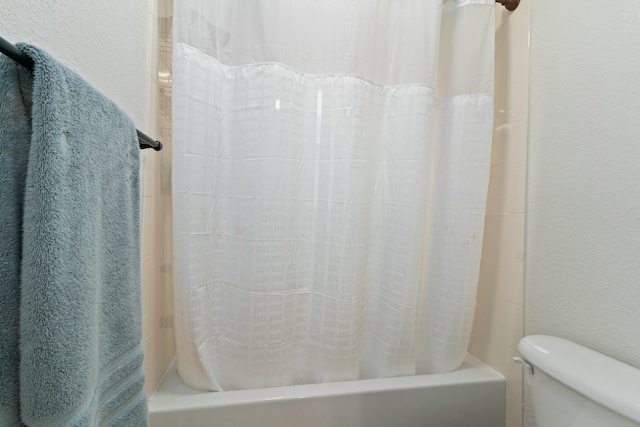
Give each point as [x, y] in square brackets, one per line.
[330, 170]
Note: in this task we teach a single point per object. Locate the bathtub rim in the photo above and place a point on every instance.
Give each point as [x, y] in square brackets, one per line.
[173, 395]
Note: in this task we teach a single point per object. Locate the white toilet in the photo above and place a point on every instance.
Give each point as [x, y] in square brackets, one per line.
[573, 386]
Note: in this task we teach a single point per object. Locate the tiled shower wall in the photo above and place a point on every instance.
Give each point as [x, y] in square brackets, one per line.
[499, 314]
[157, 286]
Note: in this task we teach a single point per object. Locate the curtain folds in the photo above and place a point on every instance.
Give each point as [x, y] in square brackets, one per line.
[330, 171]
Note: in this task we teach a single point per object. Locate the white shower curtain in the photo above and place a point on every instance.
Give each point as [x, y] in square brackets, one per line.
[330, 171]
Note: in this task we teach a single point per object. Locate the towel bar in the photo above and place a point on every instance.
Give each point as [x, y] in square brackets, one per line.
[14, 53]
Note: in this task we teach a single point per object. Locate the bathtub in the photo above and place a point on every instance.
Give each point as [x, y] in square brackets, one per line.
[473, 396]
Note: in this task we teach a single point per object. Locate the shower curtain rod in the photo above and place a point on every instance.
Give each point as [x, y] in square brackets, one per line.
[21, 58]
[511, 5]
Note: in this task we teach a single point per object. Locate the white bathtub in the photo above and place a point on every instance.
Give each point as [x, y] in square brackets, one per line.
[473, 396]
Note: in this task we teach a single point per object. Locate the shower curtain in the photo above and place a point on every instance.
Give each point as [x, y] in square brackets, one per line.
[330, 170]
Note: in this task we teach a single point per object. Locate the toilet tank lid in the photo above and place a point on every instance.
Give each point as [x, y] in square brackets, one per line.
[609, 382]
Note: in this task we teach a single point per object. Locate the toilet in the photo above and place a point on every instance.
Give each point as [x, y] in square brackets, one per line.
[573, 386]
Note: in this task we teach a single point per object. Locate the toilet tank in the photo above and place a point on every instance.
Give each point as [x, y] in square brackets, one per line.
[573, 386]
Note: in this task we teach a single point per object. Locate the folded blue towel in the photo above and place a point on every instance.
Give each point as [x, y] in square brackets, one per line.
[69, 212]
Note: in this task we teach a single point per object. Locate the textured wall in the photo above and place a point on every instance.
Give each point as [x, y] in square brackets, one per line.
[583, 251]
[107, 43]
[583, 231]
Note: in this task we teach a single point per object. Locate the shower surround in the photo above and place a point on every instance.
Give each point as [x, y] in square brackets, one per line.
[329, 187]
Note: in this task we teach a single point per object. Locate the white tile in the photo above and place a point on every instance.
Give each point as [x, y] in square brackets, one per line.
[518, 63]
[167, 280]
[501, 110]
[515, 326]
[514, 377]
[149, 188]
[517, 97]
[515, 279]
[154, 48]
[527, 416]
[516, 183]
[147, 226]
[492, 291]
[153, 299]
[155, 7]
[521, 23]
[518, 145]
[154, 109]
[500, 142]
[163, 72]
[147, 289]
[500, 11]
[146, 279]
[516, 235]
[514, 412]
[165, 8]
[165, 177]
[497, 196]
[159, 233]
[149, 360]
[488, 342]
[512, 66]
[154, 359]
[146, 327]
[142, 171]
[168, 348]
[495, 241]
[168, 235]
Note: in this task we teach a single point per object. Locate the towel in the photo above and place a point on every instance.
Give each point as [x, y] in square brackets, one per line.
[73, 194]
[15, 125]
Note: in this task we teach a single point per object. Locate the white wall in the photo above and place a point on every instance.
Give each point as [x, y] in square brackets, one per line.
[106, 42]
[583, 251]
[583, 216]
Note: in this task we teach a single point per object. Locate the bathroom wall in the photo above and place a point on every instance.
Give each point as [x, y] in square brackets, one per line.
[157, 288]
[107, 43]
[583, 205]
[116, 46]
[499, 312]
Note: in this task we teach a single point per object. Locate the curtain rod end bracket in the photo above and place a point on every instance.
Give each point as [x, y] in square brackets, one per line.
[510, 5]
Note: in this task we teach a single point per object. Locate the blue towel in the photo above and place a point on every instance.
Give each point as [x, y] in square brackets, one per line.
[15, 125]
[70, 351]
